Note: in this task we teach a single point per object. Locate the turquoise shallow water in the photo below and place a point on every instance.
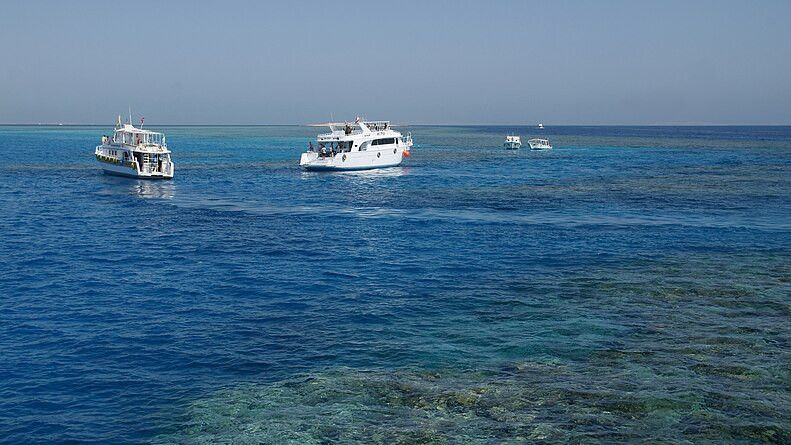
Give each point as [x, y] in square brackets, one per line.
[631, 285]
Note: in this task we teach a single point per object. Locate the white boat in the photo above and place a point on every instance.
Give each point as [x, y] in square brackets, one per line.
[135, 153]
[358, 145]
[540, 126]
[512, 142]
[539, 144]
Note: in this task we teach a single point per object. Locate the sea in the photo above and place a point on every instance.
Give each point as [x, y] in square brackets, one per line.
[631, 285]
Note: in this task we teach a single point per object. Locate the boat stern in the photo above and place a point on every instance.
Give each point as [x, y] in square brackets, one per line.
[312, 161]
[307, 158]
[168, 169]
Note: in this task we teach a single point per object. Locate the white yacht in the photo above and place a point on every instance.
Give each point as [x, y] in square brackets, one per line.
[540, 126]
[539, 144]
[135, 152]
[358, 145]
[512, 142]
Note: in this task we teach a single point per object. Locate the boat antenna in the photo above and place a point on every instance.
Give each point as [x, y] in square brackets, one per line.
[130, 115]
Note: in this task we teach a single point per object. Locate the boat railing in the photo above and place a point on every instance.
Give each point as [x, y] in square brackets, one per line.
[340, 133]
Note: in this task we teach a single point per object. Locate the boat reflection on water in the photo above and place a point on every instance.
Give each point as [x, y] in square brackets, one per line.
[153, 189]
[392, 172]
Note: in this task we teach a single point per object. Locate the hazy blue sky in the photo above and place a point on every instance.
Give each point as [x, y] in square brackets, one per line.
[509, 62]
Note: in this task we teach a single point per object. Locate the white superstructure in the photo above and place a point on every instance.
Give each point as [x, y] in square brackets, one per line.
[512, 142]
[135, 152]
[358, 145]
[539, 144]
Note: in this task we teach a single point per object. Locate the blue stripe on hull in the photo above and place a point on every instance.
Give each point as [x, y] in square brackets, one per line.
[317, 168]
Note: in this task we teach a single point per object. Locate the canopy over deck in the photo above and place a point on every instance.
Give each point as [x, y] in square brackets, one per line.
[129, 135]
[129, 128]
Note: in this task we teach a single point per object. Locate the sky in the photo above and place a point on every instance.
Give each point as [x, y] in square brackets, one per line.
[196, 62]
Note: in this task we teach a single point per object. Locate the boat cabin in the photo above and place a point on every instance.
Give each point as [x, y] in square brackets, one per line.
[129, 135]
[345, 137]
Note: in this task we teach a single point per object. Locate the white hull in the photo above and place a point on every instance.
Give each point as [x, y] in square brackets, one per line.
[356, 160]
[539, 144]
[129, 172]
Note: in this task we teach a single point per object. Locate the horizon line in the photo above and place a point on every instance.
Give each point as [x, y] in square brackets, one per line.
[62, 124]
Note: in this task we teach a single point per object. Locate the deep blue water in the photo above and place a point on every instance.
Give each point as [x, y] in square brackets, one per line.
[633, 284]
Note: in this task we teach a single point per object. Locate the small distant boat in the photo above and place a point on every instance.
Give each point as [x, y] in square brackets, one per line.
[358, 145]
[135, 153]
[539, 144]
[512, 142]
[540, 126]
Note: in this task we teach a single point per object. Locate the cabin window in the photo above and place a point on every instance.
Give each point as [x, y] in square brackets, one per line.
[386, 141]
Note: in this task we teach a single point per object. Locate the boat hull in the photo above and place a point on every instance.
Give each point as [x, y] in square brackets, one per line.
[352, 161]
[512, 146]
[317, 168]
[128, 172]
